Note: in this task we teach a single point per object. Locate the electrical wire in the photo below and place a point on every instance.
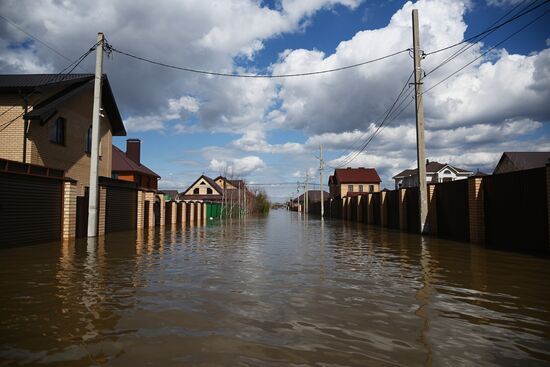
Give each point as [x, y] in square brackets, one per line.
[467, 46]
[51, 48]
[486, 52]
[73, 64]
[268, 76]
[491, 29]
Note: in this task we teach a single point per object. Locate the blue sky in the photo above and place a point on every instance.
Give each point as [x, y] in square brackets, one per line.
[269, 131]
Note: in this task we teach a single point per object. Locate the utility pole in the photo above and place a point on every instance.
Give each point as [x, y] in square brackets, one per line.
[420, 144]
[321, 180]
[306, 199]
[96, 123]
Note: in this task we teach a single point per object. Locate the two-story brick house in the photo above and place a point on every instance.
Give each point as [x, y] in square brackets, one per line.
[45, 119]
[353, 181]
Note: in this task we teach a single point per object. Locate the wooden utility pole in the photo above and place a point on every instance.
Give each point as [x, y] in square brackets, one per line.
[420, 144]
[321, 180]
[96, 124]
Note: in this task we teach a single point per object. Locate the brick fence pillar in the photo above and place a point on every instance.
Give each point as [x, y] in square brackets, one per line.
[102, 210]
[162, 202]
[199, 213]
[204, 218]
[360, 208]
[69, 209]
[150, 197]
[402, 209]
[140, 209]
[173, 207]
[432, 209]
[383, 209]
[476, 210]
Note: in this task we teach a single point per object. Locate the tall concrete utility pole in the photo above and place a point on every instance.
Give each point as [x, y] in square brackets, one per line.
[321, 180]
[420, 144]
[96, 124]
[306, 198]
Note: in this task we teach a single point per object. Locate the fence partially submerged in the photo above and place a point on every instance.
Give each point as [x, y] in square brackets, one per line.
[39, 204]
[509, 210]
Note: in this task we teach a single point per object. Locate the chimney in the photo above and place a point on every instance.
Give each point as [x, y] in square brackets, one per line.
[427, 161]
[133, 149]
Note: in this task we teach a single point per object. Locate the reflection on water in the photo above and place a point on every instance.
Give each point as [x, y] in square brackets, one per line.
[281, 290]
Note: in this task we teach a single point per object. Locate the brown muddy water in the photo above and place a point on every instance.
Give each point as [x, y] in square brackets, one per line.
[274, 291]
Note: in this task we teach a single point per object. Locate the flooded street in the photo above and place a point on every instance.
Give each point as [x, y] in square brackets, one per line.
[273, 291]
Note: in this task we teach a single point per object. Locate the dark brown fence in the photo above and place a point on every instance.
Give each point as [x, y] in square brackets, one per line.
[121, 205]
[82, 215]
[392, 198]
[413, 211]
[30, 208]
[453, 220]
[516, 210]
[376, 203]
[353, 208]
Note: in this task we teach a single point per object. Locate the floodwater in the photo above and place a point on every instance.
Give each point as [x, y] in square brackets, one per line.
[274, 291]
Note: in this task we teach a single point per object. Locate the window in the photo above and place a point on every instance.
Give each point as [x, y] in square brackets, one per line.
[371, 188]
[196, 191]
[350, 188]
[57, 131]
[88, 141]
[360, 188]
[447, 172]
[209, 191]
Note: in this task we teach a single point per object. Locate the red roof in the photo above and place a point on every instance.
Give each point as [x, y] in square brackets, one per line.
[121, 163]
[356, 175]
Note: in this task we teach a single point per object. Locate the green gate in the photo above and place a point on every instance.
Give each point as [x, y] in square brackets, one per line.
[213, 210]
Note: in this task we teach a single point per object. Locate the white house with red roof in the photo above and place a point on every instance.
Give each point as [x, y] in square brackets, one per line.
[353, 181]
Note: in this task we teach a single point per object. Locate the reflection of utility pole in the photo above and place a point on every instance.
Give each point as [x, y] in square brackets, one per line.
[321, 180]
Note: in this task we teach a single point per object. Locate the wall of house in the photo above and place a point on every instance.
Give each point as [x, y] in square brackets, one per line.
[202, 185]
[228, 186]
[344, 189]
[72, 156]
[11, 138]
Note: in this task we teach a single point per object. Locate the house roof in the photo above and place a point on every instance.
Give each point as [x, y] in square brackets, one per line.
[431, 168]
[172, 193]
[236, 183]
[314, 196]
[210, 181]
[526, 160]
[73, 83]
[356, 175]
[121, 163]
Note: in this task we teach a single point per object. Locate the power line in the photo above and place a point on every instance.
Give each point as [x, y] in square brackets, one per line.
[467, 46]
[77, 62]
[486, 52]
[268, 76]
[51, 48]
[491, 29]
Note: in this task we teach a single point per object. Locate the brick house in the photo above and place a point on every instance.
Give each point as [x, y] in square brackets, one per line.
[353, 181]
[204, 188]
[127, 166]
[435, 172]
[45, 119]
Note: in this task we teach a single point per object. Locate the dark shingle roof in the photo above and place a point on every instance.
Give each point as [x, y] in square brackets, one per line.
[121, 163]
[210, 181]
[25, 82]
[356, 175]
[73, 83]
[431, 167]
[527, 160]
